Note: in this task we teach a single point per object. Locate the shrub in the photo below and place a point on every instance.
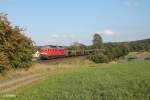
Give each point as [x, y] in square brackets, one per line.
[132, 58]
[4, 63]
[148, 58]
[98, 58]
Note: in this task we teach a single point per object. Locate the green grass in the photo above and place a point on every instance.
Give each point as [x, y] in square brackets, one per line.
[126, 81]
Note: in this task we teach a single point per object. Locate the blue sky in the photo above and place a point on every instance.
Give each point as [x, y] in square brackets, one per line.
[61, 22]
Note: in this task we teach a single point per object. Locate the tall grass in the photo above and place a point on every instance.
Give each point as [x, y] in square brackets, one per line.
[128, 81]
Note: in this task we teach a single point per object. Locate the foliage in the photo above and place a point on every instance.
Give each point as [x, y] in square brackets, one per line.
[111, 51]
[120, 49]
[4, 62]
[116, 50]
[148, 58]
[140, 45]
[16, 48]
[132, 58]
[101, 82]
[97, 41]
[98, 58]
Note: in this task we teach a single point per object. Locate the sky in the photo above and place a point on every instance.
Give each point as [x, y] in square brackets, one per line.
[62, 22]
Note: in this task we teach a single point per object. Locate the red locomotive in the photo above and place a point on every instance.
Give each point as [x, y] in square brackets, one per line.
[50, 51]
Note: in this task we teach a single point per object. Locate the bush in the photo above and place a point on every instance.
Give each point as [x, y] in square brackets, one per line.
[132, 58]
[148, 58]
[4, 63]
[98, 58]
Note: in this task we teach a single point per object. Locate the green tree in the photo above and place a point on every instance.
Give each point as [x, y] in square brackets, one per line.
[97, 41]
[98, 56]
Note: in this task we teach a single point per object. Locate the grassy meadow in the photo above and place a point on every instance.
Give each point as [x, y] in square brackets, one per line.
[124, 81]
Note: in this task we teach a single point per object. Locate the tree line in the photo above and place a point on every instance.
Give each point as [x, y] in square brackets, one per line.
[112, 50]
[140, 45]
[16, 49]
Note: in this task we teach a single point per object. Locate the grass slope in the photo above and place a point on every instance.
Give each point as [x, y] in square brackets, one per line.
[128, 81]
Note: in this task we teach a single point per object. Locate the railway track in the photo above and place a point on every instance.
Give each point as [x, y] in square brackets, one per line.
[58, 59]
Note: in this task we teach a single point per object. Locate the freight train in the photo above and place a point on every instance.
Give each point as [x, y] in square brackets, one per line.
[50, 52]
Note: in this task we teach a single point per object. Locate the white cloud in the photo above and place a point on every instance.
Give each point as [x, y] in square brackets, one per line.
[62, 36]
[132, 3]
[55, 36]
[109, 32]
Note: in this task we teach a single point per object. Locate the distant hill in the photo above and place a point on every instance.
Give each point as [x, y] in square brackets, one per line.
[138, 45]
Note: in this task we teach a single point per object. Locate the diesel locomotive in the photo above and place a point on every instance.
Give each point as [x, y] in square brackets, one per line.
[50, 52]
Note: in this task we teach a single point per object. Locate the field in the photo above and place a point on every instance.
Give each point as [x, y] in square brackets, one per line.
[124, 81]
[139, 55]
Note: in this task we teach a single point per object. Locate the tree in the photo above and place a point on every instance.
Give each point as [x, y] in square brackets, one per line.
[4, 62]
[97, 41]
[16, 49]
[99, 56]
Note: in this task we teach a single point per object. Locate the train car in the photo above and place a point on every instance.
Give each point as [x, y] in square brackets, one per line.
[50, 52]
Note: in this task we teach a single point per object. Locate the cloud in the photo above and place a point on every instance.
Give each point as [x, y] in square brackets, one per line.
[109, 32]
[55, 36]
[62, 36]
[132, 3]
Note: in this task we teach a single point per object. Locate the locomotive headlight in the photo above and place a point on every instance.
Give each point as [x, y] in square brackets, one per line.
[43, 53]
